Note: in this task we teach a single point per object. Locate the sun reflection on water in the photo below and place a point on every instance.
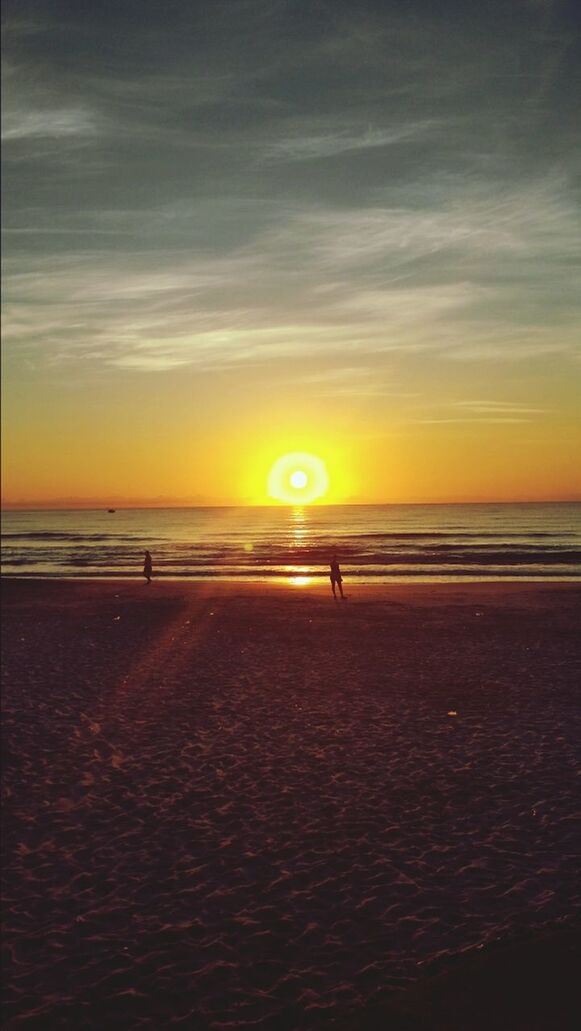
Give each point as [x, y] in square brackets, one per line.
[299, 532]
[298, 528]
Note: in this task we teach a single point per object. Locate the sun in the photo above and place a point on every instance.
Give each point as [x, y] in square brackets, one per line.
[298, 479]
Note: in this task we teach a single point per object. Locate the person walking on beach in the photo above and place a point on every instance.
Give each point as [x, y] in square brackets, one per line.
[336, 578]
[147, 567]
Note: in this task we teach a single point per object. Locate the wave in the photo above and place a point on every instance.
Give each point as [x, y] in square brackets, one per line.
[419, 535]
[307, 557]
[334, 538]
[292, 559]
[53, 535]
[371, 543]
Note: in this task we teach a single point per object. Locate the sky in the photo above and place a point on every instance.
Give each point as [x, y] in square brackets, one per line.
[238, 229]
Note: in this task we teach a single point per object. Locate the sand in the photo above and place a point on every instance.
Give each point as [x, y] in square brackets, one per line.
[236, 806]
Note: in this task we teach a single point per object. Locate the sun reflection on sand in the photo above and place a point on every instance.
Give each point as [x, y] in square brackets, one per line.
[299, 576]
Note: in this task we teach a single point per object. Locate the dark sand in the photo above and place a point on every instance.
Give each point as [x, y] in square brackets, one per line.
[250, 807]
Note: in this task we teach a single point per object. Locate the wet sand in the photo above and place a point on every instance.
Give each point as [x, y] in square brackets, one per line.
[248, 806]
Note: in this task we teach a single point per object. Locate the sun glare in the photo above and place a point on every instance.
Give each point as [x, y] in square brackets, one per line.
[298, 479]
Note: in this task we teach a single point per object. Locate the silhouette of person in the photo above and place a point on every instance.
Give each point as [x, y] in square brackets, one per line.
[335, 577]
[147, 567]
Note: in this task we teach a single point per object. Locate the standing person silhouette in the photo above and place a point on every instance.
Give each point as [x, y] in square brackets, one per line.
[147, 567]
[335, 577]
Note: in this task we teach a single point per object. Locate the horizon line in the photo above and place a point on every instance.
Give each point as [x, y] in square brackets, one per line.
[36, 506]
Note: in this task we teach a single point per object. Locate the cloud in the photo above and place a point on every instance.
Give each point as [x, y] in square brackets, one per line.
[310, 148]
[487, 411]
[492, 421]
[498, 408]
[171, 200]
[343, 380]
[297, 278]
[56, 124]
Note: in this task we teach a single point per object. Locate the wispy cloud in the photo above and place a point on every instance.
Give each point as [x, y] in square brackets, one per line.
[55, 124]
[173, 202]
[312, 148]
[477, 420]
[375, 281]
[498, 408]
[483, 412]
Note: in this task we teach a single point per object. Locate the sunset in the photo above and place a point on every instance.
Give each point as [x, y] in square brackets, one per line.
[231, 220]
[291, 514]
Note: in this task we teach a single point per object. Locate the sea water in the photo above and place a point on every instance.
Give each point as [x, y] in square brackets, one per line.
[374, 543]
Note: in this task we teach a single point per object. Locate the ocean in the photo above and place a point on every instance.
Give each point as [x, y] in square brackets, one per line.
[375, 543]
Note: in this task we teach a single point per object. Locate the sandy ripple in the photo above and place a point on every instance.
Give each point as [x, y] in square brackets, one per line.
[252, 809]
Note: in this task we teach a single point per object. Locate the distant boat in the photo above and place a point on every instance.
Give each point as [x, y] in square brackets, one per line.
[111, 509]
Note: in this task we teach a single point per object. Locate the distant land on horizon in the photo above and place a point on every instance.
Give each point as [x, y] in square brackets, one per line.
[95, 504]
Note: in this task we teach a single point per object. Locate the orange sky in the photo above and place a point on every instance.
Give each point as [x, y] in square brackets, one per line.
[183, 439]
[258, 235]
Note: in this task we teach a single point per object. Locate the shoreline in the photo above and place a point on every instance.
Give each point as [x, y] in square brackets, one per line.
[307, 585]
[316, 580]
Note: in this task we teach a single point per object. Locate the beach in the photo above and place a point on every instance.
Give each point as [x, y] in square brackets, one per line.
[251, 806]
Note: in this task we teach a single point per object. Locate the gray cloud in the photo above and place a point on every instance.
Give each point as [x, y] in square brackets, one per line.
[309, 148]
[55, 123]
[214, 185]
